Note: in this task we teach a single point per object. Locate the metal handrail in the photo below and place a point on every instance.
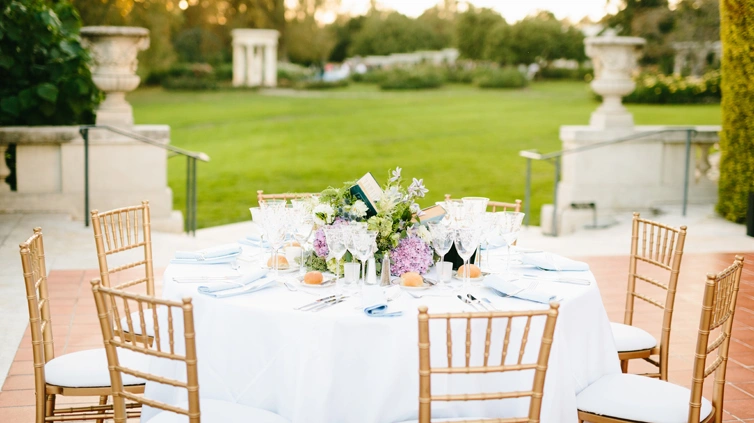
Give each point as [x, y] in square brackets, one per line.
[189, 223]
[555, 157]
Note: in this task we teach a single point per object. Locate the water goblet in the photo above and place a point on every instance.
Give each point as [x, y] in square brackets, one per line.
[442, 240]
[475, 206]
[302, 230]
[275, 226]
[466, 242]
[488, 223]
[337, 242]
[509, 224]
[361, 248]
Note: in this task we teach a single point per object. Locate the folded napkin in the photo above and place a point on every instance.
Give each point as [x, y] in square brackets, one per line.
[375, 303]
[514, 289]
[242, 281]
[254, 241]
[550, 261]
[221, 253]
[248, 289]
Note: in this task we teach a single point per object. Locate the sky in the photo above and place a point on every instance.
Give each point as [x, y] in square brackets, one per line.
[512, 10]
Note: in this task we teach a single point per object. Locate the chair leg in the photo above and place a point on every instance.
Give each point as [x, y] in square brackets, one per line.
[624, 366]
[49, 405]
[102, 401]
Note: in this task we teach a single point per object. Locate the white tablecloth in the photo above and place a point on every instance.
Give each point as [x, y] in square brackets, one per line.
[340, 366]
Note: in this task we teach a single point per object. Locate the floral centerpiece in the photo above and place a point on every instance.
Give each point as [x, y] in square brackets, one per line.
[399, 234]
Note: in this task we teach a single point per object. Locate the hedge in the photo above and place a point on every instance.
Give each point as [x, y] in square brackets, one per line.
[737, 137]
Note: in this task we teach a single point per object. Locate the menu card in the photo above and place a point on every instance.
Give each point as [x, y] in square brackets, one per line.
[368, 190]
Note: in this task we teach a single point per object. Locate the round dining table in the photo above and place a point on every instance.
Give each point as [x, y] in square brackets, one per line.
[339, 365]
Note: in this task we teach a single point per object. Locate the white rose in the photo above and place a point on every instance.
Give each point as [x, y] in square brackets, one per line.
[323, 214]
[359, 208]
[424, 234]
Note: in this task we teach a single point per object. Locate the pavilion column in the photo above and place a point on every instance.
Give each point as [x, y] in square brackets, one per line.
[239, 65]
[250, 67]
[270, 65]
[258, 68]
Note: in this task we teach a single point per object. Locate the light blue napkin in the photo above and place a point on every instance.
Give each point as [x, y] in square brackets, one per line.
[254, 241]
[242, 281]
[375, 303]
[513, 289]
[248, 289]
[215, 255]
[550, 261]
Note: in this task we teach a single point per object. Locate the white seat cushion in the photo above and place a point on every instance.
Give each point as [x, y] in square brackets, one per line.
[221, 412]
[88, 369]
[136, 322]
[630, 338]
[638, 398]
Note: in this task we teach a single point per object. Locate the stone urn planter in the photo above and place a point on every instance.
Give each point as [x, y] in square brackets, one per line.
[114, 50]
[614, 60]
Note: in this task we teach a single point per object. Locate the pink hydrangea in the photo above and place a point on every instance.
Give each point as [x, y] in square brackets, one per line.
[411, 255]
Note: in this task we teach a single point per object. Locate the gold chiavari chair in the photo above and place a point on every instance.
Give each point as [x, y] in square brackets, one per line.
[114, 303]
[261, 196]
[82, 373]
[540, 366]
[661, 250]
[633, 398]
[118, 232]
[515, 206]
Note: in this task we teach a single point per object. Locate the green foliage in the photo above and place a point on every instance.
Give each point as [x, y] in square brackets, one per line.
[190, 76]
[372, 76]
[579, 74]
[290, 74]
[393, 32]
[198, 45]
[417, 78]
[654, 88]
[224, 72]
[459, 74]
[308, 43]
[473, 28]
[344, 29]
[737, 137]
[322, 85]
[507, 77]
[43, 66]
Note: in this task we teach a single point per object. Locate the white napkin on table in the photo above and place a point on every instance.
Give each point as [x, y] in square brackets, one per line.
[247, 289]
[550, 261]
[514, 289]
[209, 254]
[375, 303]
[242, 281]
[254, 241]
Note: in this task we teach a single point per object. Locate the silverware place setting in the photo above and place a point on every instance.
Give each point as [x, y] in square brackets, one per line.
[323, 303]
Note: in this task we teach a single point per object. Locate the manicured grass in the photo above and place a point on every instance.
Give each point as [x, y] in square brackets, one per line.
[461, 140]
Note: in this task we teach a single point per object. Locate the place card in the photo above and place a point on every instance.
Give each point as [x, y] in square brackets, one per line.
[368, 190]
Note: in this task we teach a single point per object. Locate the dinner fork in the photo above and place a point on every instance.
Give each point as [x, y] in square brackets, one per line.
[532, 285]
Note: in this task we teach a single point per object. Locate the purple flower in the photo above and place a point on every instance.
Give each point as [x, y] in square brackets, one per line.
[411, 255]
[320, 244]
[417, 189]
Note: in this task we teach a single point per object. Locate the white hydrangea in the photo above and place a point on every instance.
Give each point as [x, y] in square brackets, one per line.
[424, 234]
[323, 214]
[359, 209]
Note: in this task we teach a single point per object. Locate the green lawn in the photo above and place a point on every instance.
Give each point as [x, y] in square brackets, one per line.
[461, 140]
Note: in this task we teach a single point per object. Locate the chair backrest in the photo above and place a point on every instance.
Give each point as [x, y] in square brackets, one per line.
[261, 196]
[121, 230]
[40, 322]
[539, 367]
[718, 309]
[514, 206]
[660, 247]
[112, 306]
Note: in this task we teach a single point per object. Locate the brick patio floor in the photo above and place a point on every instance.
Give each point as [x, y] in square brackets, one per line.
[75, 328]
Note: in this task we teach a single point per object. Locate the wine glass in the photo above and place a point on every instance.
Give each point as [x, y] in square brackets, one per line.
[475, 206]
[337, 242]
[272, 204]
[488, 222]
[442, 240]
[510, 225]
[466, 242]
[302, 229]
[361, 247]
[275, 226]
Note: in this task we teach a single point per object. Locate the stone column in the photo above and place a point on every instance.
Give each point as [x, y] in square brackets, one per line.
[614, 60]
[114, 50]
[270, 65]
[239, 64]
[250, 67]
[258, 65]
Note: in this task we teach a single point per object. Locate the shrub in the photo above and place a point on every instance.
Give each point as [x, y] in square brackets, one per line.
[224, 72]
[289, 74]
[43, 66]
[737, 160]
[190, 76]
[412, 79]
[373, 76]
[459, 75]
[322, 85]
[656, 88]
[502, 78]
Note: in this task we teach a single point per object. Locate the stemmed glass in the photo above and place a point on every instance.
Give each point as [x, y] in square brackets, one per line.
[302, 229]
[466, 242]
[488, 222]
[509, 224]
[442, 240]
[275, 226]
[361, 247]
[337, 242]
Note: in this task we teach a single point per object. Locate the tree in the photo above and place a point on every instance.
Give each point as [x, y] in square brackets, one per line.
[737, 136]
[308, 43]
[651, 20]
[472, 30]
[393, 33]
[441, 21]
[344, 29]
[43, 67]
[697, 20]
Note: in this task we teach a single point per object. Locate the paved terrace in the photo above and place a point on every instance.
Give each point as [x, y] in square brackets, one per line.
[711, 246]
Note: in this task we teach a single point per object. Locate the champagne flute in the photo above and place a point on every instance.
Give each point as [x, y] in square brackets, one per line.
[302, 230]
[337, 243]
[466, 242]
[442, 241]
[275, 229]
[510, 225]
